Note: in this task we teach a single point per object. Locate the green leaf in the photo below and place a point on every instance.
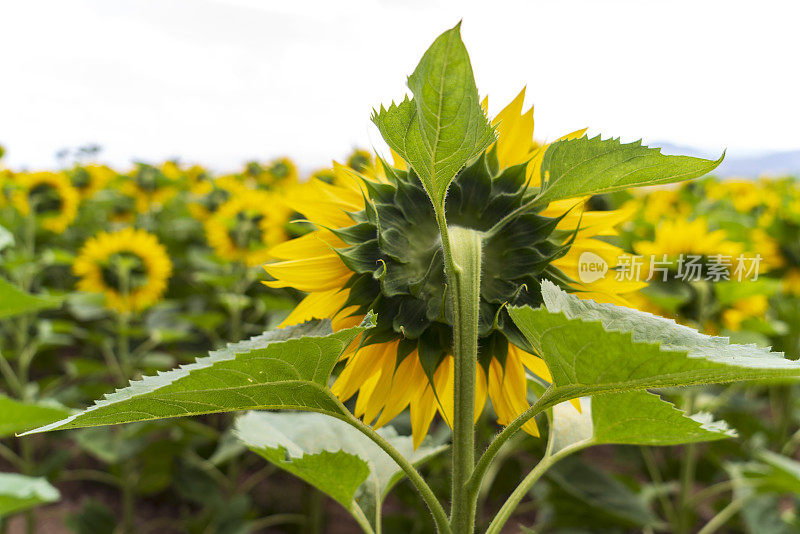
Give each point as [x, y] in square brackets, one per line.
[19, 493]
[332, 456]
[774, 474]
[14, 301]
[93, 518]
[593, 348]
[443, 126]
[584, 166]
[20, 416]
[281, 369]
[630, 418]
[584, 496]
[768, 487]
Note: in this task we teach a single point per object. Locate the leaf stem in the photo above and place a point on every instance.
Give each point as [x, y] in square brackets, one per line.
[425, 491]
[687, 477]
[656, 478]
[362, 520]
[496, 526]
[724, 515]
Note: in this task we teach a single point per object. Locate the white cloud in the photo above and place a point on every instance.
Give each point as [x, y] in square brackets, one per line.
[222, 81]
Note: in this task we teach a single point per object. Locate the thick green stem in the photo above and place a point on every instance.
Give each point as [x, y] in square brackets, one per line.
[464, 278]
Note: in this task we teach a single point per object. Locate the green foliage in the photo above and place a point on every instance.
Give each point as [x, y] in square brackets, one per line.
[630, 418]
[6, 238]
[443, 126]
[281, 369]
[581, 495]
[584, 166]
[20, 416]
[19, 493]
[594, 348]
[14, 301]
[332, 456]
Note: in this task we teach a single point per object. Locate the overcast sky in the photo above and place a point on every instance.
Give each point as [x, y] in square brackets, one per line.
[223, 81]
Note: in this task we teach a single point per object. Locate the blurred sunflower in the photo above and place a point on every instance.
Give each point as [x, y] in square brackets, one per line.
[49, 196]
[683, 237]
[276, 174]
[5, 186]
[172, 170]
[149, 187]
[752, 306]
[89, 179]
[209, 194]
[129, 267]
[685, 264]
[746, 196]
[384, 254]
[362, 162]
[246, 226]
[656, 205]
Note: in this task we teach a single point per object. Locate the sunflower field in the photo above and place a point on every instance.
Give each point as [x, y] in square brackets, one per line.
[477, 331]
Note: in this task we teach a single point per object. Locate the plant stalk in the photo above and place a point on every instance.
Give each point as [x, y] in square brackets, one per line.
[463, 254]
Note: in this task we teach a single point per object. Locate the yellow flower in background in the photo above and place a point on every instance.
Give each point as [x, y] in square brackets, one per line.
[753, 306]
[89, 179]
[347, 267]
[276, 174]
[246, 226]
[6, 178]
[362, 161]
[681, 237]
[172, 170]
[129, 267]
[149, 187]
[48, 195]
[768, 248]
[745, 195]
[791, 282]
[208, 195]
[656, 205]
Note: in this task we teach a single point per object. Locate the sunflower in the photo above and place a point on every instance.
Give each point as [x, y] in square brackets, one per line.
[655, 205]
[149, 187]
[746, 196]
[48, 195]
[278, 173]
[362, 161]
[683, 237]
[684, 264]
[376, 247]
[129, 267]
[208, 195]
[742, 309]
[89, 179]
[246, 226]
[5, 186]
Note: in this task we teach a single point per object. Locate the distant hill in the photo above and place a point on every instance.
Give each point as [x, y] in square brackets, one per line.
[744, 165]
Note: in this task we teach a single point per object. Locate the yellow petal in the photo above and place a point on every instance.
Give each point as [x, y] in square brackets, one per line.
[320, 305]
[320, 273]
[423, 409]
[318, 243]
[409, 382]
